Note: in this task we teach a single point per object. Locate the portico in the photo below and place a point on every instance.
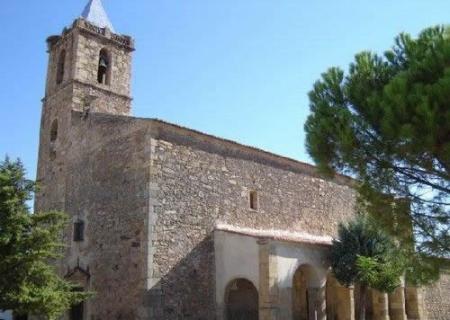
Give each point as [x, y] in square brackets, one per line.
[288, 276]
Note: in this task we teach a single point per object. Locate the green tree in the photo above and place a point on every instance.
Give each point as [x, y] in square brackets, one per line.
[387, 124]
[29, 242]
[365, 255]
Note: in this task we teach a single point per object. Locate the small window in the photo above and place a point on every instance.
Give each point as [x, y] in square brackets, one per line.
[54, 131]
[253, 200]
[78, 231]
[77, 310]
[104, 68]
[61, 66]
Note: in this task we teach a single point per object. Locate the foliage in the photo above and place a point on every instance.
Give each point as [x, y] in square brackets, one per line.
[382, 275]
[364, 254]
[28, 244]
[387, 124]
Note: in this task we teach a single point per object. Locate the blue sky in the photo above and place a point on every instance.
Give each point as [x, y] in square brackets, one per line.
[239, 69]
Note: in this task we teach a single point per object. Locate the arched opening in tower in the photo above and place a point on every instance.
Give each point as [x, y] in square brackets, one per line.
[103, 75]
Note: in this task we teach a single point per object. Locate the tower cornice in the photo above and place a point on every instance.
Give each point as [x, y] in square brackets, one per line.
[90, 86]
[86, 27]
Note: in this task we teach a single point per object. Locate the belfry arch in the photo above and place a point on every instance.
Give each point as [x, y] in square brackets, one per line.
[104, 67]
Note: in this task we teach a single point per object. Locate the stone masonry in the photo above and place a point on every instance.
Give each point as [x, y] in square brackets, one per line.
[150, 193]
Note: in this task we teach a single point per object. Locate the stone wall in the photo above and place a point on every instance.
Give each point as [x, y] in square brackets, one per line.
[151, 195]
[437, 299]
[236, 256]
[82, 44]
[88, 46]
[198, 180]
[105, 101]
[107, 188]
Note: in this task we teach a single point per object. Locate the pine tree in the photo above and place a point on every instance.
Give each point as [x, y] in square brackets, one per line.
[29, 242]
[387, 124]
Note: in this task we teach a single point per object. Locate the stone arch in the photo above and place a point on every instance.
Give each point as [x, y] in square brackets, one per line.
[80, 278]
[104, 67]
[241, 300]
[304, 280]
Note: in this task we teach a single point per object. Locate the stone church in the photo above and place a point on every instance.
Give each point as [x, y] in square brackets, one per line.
[171, 223]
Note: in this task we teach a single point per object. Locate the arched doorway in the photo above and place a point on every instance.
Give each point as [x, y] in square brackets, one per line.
[241, 300]
[303, 295]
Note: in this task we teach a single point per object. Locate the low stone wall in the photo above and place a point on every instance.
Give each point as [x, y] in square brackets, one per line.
[437, 299]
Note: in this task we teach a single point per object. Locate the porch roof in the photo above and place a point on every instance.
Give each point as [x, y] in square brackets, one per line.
[274, 234]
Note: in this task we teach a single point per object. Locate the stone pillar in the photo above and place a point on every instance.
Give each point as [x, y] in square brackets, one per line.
[397, 304]
[380, 305]
[345, 303]
[414, 303]
[317, 298]
[317, 303]
[268, 286]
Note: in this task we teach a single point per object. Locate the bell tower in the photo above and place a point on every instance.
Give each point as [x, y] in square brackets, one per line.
[89, 70]
[90, 65]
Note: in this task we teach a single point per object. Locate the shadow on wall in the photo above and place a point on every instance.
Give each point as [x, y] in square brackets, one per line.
[187, 290]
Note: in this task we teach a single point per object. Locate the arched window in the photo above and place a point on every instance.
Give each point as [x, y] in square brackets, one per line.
[60, 67]
[104, 67]
[253, 200]
[54, 131]
[241, 300]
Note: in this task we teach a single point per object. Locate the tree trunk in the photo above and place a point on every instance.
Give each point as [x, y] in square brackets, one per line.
[362, 302]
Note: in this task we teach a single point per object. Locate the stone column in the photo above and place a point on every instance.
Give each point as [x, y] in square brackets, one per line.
[397, 304]
[268, 286]
[345, 303]
[317, 299]
[380, 304]
[317, 303]
[414, 303]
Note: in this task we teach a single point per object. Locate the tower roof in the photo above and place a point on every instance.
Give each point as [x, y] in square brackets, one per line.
[96, 14]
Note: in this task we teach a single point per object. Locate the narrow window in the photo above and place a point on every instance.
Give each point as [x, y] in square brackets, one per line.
[60, 67]
[54, 131]
[77, 310]
[253, 200]
[104, 65]
[78, 231]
